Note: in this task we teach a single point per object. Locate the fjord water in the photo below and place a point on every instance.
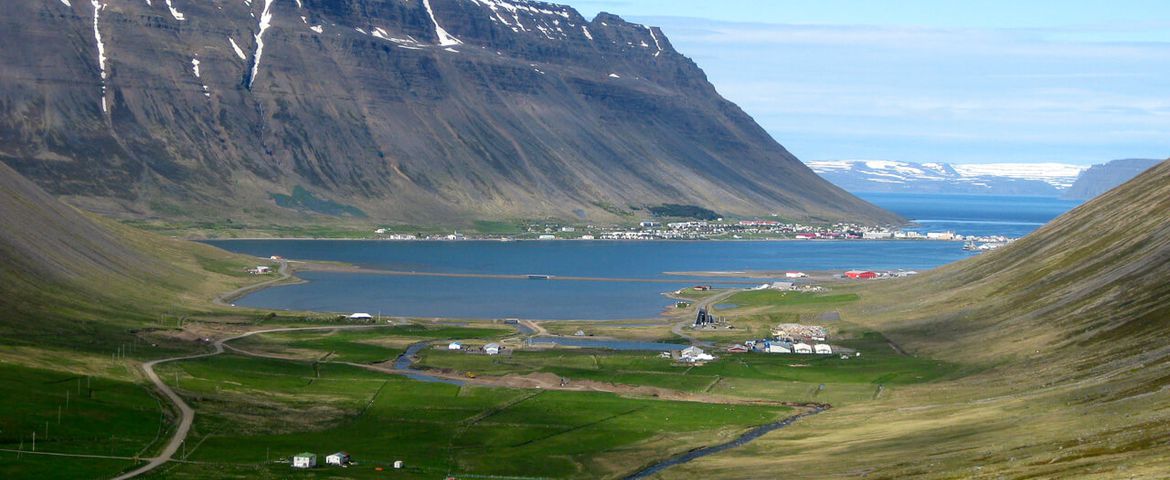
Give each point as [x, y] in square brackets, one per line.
[418, 296]
[1011, 216]
[461, 297]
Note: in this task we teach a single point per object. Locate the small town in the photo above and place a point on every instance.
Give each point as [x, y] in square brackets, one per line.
[711, 230]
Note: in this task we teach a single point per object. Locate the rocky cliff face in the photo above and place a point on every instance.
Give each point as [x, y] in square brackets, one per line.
[426, 111]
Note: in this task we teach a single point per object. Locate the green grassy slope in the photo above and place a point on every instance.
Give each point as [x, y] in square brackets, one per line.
[69, 278]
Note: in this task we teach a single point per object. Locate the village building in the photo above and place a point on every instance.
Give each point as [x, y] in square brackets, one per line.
[454, 346]
[802, 348]
[783, 286]
[304, 460]
[492, 349]
[822, 349]
[861, 274]
[795, 275]
[694, 354]
[365, 317]
[779, 347]
[339, 459]
[738, 349]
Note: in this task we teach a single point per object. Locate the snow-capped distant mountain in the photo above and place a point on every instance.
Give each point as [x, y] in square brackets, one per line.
[1048, 179]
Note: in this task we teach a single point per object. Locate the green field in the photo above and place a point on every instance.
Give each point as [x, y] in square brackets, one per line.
[99, 417]
[253, 410]
[776, 298]
[878, 365]
[365, 345]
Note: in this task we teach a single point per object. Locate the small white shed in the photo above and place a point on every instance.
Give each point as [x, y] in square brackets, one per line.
[338, 459]
[360, 316]
[492, 349]
[454, 346]
[822, 349]
[304, 460]
[802, 348]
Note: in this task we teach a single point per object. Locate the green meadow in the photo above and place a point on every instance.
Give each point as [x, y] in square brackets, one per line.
[256, 411]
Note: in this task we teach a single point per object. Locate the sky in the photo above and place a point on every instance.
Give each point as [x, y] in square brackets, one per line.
[988, 81]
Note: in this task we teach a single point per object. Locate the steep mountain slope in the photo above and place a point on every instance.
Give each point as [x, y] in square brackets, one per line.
[1063, 340]
[410, 110]
[909, 177]
[66, 275]
[1099, 179]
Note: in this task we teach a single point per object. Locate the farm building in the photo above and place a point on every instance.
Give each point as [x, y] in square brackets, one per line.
[795, 275]
[492, 349]
[783, 286]
[861, 274]
[778, 347]
[304, 460]
[694, 354]
[360, 316]
[802, 348]
[339, 459]
[738, 349]
[454, 346]
[822, 349]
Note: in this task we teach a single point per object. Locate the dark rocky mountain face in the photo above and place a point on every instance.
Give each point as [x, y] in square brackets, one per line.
[431, 111]
[1099, 179]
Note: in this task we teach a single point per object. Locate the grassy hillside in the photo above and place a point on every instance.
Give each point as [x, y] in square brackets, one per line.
[74, 279]
[1067, 330]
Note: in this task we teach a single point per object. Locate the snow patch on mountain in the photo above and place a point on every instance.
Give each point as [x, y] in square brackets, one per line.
[938, 177]
[1059, 175]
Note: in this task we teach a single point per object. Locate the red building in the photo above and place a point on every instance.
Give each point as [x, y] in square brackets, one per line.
[861, 274]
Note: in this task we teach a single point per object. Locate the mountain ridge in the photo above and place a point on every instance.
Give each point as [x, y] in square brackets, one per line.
[405, 111]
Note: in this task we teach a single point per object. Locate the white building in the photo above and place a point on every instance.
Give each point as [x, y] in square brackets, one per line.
[547, 237]
[796, 275]
[304, 460]
[822, 349]
[802, 348]
[339, 459]
[454, 346]
[492, 349]
[360, 316]
[694, 354]
[587, 237]
[779, 347]
[783, 286]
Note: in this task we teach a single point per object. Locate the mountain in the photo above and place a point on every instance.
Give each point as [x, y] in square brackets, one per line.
[426, 111]
[75, 275]
[1099, 179]
[1042, 179]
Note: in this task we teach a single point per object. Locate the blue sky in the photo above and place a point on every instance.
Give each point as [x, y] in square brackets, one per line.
[965, 82]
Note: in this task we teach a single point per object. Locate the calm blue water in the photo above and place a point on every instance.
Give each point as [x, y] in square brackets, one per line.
[1012, 216]
[549, 299]
[554, 299]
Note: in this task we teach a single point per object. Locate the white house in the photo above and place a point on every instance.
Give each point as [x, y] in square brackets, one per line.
[304, 460]
[795, 275]
[694, 354]
[360, 316]
[822, 349]
[492, 349]
[802, 348]
[339, 459]
[547, 237]
[454, 346]
[779, 347]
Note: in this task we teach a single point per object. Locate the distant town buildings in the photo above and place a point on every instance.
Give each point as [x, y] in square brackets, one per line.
[304, 460]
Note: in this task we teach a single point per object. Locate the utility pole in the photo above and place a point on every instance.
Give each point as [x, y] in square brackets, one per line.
[34, 440]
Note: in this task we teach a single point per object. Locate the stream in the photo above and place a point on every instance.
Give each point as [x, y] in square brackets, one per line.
[739, 441]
